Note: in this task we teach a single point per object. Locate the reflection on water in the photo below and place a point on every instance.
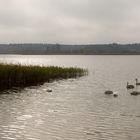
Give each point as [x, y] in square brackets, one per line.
[76, 109]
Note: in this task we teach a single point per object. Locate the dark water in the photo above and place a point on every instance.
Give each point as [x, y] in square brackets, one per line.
[77, 109]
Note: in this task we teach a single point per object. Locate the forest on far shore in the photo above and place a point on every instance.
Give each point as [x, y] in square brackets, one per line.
[44, 49]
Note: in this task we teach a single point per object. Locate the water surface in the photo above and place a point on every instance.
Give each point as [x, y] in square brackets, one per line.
[77, 109]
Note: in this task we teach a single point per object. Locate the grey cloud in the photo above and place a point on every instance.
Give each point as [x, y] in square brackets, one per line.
[69, 21]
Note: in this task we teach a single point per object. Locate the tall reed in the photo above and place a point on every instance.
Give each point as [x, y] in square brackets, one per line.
[16, 75]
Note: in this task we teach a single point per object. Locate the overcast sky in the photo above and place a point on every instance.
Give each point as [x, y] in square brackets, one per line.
[69, 21]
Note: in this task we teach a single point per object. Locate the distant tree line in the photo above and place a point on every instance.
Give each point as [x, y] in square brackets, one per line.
[44, 49]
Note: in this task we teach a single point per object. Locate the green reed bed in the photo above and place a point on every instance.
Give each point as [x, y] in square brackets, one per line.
[20, 76]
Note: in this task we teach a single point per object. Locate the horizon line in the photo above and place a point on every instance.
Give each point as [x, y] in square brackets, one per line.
[113, 43]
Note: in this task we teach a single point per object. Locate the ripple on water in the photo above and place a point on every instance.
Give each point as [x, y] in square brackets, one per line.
[77, 109]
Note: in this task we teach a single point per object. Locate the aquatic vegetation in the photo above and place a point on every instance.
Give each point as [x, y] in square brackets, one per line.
[17, 75]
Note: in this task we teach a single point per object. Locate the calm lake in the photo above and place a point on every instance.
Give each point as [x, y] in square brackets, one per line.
[77, 109]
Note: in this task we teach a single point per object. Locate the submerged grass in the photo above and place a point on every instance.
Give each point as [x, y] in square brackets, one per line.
[20, 76]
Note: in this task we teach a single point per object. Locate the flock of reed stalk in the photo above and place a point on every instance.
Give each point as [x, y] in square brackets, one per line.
[20, 76]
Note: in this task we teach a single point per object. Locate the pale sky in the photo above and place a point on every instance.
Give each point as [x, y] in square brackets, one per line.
[69, 21]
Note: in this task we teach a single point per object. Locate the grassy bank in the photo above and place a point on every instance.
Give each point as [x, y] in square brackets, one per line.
[22, 76]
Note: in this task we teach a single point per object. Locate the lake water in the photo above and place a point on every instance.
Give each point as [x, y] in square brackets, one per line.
[77, 109]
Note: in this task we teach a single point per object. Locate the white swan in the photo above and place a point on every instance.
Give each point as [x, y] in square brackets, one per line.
[137, 83]
[115, 94]
[129, 86]
[135, 93]
[109, 92]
